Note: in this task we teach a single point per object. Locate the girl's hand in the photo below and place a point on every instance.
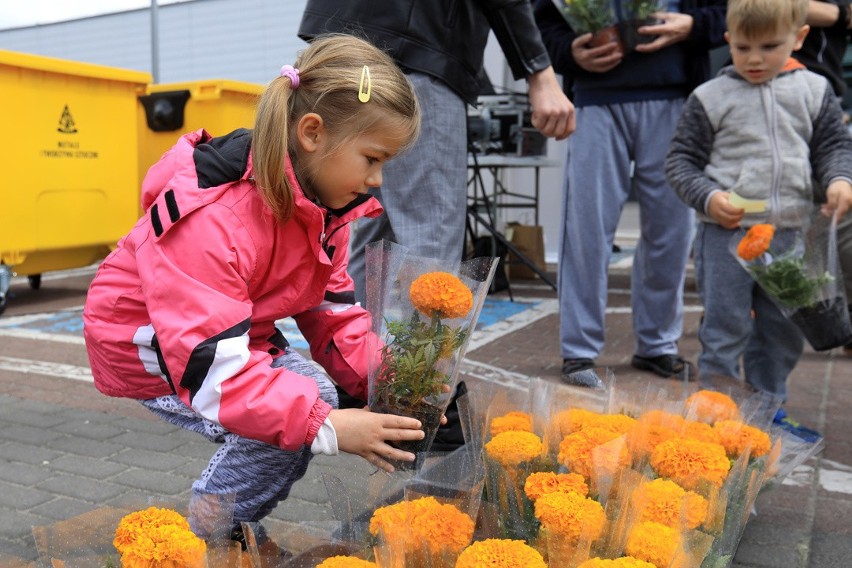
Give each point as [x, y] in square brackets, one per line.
[838, 199]
[364, 434]
[721, 210]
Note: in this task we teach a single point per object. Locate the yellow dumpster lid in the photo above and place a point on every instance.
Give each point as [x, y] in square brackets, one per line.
[68, 67]
[208, 88]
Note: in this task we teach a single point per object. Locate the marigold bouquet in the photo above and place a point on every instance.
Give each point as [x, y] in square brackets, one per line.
[424, 312]
[799, 269]
[153, 535]
[783, 275]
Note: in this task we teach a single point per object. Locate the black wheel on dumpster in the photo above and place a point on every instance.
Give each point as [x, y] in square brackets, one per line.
[35, 281]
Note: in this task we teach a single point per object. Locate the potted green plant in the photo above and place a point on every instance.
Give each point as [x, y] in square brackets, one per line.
[638, 13]
[591, 16]
[424, 312]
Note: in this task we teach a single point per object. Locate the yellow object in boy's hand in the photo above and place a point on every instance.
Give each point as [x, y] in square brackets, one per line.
[747, 205]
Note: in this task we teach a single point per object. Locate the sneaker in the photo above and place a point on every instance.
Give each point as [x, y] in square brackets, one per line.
[580, 373]
[786, 423]
[667, 366]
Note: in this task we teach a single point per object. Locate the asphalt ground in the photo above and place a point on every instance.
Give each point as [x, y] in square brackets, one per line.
[68, 452]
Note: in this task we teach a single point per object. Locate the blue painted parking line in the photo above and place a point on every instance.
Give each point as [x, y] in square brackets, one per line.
[70, 322]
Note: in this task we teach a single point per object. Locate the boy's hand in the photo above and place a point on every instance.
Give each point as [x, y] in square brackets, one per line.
[838, 199]
[363, 433]
[720, 210]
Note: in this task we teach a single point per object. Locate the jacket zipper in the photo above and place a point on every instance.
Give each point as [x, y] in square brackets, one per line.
[768, 93]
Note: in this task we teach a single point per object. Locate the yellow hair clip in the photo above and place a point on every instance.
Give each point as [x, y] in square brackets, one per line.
[365, 87]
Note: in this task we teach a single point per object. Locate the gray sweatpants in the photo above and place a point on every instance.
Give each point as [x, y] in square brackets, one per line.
[740, 320]
[258, 474]
[597, 183]
[424, 191]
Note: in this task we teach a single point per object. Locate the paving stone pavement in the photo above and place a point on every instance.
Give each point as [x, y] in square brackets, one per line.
[66, 450]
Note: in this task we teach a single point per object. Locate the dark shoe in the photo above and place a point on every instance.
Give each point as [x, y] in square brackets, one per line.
[668, 366]
[786, 423]
[580, 373]
[270, 554]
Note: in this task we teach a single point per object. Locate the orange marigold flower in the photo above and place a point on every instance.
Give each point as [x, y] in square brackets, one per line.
[652, 428]
[623, 562]
[138, 523]
[664, 501]
[710, 406]
[589, 450]
[654, 543]
[346, 562]
[755, 242]
[620, 423]
[500, 553]
[441, 292]
[515, 420]
[573, 419]
[544, 482]
[737, 437]
[700, 431]
[688, 461]
[570, 515]
[513, 448]
[158, 538]
[425, 522]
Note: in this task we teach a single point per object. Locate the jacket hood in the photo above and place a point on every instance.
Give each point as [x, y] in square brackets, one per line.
[790, 66]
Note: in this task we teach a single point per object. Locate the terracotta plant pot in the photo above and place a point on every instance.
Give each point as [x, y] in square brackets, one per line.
[606, 36]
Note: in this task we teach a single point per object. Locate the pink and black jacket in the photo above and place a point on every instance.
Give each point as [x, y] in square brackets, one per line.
[188, 301]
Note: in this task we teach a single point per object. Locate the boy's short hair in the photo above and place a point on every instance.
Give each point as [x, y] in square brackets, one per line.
[758, 17]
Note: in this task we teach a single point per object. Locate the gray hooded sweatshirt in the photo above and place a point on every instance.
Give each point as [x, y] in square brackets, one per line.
[782, 141]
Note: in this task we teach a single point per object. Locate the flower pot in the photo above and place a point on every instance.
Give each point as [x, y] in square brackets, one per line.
[629, 32]
[606, 36]
[825, 325]
[429, 416]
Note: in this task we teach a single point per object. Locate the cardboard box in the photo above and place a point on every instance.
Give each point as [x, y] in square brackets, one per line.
[529, 240]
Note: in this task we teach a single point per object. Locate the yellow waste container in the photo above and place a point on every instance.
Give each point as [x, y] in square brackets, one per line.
[170, 110]
[70, 161]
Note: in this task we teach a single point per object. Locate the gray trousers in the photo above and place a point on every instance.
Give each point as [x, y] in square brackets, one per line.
[258, 474]
[597, 184]
[769, 343]
[424, 191]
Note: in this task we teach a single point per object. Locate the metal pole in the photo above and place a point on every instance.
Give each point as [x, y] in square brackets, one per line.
[155, 42]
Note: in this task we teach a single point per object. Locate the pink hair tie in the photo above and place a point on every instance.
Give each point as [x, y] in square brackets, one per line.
[291, 73]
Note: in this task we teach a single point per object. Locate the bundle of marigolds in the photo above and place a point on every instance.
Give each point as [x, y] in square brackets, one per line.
[423, 318]
[783, 275]
[642, 488]
[420, 532]
[158, 538]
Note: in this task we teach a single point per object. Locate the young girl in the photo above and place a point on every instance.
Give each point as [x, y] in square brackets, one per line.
[241, 231]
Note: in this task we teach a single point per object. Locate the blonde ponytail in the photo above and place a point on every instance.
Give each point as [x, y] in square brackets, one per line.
[329, 73]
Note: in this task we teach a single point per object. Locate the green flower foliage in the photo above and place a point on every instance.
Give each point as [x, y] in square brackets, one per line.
[787, 280]
[409, 370]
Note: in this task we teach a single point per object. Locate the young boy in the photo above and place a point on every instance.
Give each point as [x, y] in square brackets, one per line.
[769, 130]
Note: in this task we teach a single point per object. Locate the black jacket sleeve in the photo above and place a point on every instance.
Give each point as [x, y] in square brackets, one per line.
[515, 28]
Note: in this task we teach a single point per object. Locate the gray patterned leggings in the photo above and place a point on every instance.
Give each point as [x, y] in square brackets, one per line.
[258, 474]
